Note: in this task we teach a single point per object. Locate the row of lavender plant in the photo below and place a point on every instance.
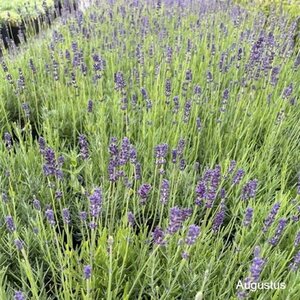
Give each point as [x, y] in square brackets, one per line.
[151, 151]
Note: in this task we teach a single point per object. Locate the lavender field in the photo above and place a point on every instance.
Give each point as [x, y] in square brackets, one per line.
[150, 149]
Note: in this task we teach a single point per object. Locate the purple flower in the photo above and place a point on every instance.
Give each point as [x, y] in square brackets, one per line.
[219, 218]
[19, 295]
[296, 262]
[66, 215]
[158, 236]
[8, 140]
[248, 216]
[297, 239]
[50, 167]
[192, 234]
[119, 81]
[83, 216]
[130, 218]
[42, 144]
[184, 255]
[278, 233]
[161, 152]
[177, 217]
[231, 167]
[84, 147]
[187, 111]
[174, 156]
[168, 88]
[10, 224]
[138, 171]
[164, 191]
[95, 202]
[143, 192]
[90, 106]
[87, 272]
[238, 176]
[249, 189]
[19, 244]
[125, 151]
[200, 192]
[36, 204]
[271, 217]
[257, 265]
[26, 109]
[50, 216]
[288, 91]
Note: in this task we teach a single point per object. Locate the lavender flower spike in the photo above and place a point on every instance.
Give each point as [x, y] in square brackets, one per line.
[192, 234]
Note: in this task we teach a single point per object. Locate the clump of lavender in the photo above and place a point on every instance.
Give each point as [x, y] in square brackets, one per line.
[143, 192]
[249, 189]
[193, 233]
[177, 217]
[87, 272]
[158, 236]
[278, 233]
[10, 225]
[164, 191]
[248, 217]
[36, 204]
[271, 217]
[84, 147]
[95, 202]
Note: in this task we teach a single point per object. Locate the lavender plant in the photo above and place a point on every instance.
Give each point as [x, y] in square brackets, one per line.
[150, 150]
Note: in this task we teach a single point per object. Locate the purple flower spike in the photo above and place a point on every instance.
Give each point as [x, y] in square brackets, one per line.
[177, 217]
[50, 216]
[296, 262]
[19, 295]
[249, 189]
[84, 147]
[161, 152]
[19, 244]
[271, 217]
[248, 216]
[164, 191]
[158, 236]
[144, 192]
[192, 234]
[66, 215]
[10, 225]
[130, 218]
[257, 265]
[238, 176]
[95, 202]
[219, 218]
[87, 272]
[297, 239]
[278, 233]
